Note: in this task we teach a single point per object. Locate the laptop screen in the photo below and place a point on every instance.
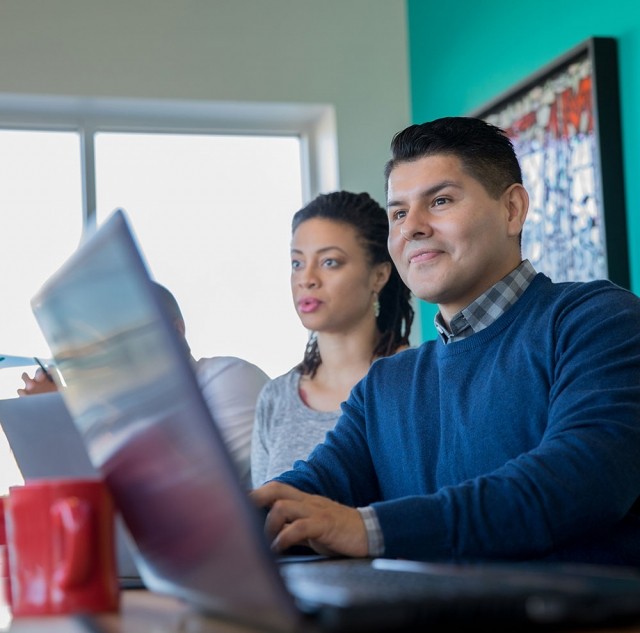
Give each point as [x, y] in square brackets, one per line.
[131, 390]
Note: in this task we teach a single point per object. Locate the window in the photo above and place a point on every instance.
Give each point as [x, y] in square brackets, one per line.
[40, 224]
[209, 188]
[213, 217]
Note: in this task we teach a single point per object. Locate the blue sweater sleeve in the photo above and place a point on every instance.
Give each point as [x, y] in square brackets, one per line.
[341, 467]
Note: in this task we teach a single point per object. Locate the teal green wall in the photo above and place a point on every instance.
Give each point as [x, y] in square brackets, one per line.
[463, 54]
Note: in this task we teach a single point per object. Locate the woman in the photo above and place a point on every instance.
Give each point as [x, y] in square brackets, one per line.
[348, 293]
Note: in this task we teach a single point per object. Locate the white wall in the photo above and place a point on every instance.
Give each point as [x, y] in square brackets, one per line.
[348, 53]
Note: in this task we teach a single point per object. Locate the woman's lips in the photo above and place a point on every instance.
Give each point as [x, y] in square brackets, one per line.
[308, 304]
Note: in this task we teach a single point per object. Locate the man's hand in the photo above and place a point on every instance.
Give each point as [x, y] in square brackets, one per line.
[297, 518]
[38, 384]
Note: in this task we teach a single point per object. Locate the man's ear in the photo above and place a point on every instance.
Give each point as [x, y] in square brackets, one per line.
[516, 201]
[180, 326]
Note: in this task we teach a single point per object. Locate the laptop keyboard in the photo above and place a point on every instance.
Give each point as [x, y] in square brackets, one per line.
[360, 581]
[383, 591]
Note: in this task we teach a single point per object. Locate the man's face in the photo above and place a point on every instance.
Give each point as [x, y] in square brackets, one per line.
[450, 240]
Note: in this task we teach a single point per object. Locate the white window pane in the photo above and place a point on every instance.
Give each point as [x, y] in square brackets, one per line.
[40, 225]
[213, 216]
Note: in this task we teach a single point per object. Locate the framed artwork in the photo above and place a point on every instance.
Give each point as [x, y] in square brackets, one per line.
[564, 122]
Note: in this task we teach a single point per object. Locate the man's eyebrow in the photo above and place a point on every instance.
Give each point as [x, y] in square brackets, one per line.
[427, 193]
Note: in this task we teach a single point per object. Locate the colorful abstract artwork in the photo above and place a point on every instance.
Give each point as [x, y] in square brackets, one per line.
[553, 123]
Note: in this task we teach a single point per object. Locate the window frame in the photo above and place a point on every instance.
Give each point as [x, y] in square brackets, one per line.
[313, 124]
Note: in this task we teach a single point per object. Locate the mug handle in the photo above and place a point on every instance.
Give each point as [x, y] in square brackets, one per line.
[72, 534]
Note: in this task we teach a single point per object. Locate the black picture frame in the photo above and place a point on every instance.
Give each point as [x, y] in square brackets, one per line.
[564, 122]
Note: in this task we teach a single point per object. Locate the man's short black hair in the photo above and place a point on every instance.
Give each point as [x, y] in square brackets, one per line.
[485, 151]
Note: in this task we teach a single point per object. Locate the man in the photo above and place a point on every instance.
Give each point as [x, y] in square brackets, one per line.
[516, 434]
[230, 387]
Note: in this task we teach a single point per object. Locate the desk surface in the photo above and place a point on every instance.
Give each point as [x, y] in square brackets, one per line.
[140, 612]
[145, 612]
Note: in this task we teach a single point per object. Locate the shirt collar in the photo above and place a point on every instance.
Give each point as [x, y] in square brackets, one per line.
[489, 306]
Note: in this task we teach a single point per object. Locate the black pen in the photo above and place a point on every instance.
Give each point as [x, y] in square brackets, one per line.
[44, 369]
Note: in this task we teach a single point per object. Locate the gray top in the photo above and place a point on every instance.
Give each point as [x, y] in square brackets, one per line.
[285, 428]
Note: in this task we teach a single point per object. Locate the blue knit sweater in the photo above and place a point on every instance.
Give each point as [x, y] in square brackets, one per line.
[519, 442]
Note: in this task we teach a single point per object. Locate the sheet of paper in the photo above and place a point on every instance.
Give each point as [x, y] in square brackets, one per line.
[7, 360]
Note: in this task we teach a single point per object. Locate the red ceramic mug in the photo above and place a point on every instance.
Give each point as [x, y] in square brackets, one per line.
[60, 534]
[5, 587]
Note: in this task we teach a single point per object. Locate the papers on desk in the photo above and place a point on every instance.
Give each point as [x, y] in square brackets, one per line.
[6, 360]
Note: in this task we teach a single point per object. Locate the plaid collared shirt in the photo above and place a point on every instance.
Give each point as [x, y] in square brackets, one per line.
[488, 307]
[478, 315]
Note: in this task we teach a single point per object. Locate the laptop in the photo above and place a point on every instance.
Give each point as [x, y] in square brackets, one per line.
[46, 443]
[136, 403]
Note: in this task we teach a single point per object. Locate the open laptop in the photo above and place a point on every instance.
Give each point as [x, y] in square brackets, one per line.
[45, 444]
[135, 400]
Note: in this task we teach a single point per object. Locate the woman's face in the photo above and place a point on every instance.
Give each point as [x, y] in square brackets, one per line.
[332, 282]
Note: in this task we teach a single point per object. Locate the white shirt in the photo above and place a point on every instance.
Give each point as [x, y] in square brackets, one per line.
[230, 387]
